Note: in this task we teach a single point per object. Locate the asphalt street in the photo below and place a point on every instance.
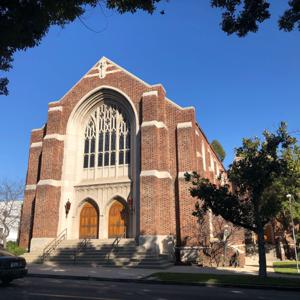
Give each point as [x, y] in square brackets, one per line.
[42, 288]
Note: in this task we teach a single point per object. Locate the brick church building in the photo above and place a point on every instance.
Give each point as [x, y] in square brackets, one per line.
[110, 161]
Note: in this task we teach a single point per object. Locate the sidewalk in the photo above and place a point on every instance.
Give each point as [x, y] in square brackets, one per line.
[118, 273]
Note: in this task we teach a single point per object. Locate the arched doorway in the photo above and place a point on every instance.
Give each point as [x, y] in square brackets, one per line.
[117, 220]
[89, 222]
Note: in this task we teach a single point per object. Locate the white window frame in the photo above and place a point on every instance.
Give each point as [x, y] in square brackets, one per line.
[107, 120]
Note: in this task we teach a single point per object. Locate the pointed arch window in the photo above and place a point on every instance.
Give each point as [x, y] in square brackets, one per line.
[107, 138]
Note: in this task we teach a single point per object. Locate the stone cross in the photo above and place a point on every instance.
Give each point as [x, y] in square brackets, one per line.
[102, 68]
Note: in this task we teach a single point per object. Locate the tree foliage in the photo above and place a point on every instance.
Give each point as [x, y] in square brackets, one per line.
[244, 16]
[23, 24]
[218, 149]
[289, 183]
[243, 202]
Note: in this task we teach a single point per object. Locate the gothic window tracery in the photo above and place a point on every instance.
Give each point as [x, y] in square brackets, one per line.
[107, 138]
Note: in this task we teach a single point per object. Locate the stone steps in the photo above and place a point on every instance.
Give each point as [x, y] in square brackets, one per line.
[97, 252]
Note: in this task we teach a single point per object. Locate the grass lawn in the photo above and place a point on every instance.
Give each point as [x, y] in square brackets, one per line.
[227, 279]
[286, 267]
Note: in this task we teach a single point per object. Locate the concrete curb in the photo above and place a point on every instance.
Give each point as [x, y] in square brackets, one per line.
[153, 281]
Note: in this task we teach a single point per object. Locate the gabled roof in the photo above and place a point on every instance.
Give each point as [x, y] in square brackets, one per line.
[106, 66]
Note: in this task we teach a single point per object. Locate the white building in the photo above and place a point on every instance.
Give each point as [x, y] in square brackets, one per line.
[13, 211]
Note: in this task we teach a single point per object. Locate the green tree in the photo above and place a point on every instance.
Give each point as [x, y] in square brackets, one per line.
[289, 183]
[244, 16]
[257, 165]
[23, 23]
[218, 149]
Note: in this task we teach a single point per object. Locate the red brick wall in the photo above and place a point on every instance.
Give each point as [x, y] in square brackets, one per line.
[46, 211]
[27, 219]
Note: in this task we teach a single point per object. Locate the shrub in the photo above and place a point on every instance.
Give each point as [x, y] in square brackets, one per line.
[13, 248]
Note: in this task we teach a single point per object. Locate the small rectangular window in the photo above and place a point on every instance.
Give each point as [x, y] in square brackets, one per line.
[113, 158]
[106, 141]
[127, 157]
[106, 159]
[86, 161]
[121, 146]
[86, 146]
[92, 161]
[100, 146]
[113, 141]
[93, 145]
[127, 141]
[100, 159]
[121, 157]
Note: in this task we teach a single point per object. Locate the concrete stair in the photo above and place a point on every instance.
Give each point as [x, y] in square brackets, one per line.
[99, 252]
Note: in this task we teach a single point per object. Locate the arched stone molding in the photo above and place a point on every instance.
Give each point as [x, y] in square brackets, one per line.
[78, 109]
[115, 198]
[73, 159]
[89, 200]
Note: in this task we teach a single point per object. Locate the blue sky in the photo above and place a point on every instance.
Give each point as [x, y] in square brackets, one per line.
[239, 87]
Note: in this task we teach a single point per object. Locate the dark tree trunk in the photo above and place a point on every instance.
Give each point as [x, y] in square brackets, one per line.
[261, 252]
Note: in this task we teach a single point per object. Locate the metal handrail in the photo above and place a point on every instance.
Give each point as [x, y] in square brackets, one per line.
[115, 245]
[54, 244]
[83, 244]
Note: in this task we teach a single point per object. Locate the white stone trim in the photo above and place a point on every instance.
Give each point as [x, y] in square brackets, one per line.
[155, 123]
[150, 93]
[181, 174]
[51, 182]
[113, 71]
[198, 154]
[106, 72]
[197, 133]
[30, 187]
[203, 155]
[55, 108]
[38, 129]
[54, 102]
[184, 125]
[91, 75]
[178, 106]
[37, 144]
[156, 173]
[59, 137]
[159, 85]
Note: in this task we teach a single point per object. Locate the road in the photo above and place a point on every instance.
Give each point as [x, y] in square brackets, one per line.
[42, 288]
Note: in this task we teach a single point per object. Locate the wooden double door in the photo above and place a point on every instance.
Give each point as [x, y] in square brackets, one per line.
[117, 220]
[89, 222]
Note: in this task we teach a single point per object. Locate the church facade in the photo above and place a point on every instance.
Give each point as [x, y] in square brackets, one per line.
[110, 161]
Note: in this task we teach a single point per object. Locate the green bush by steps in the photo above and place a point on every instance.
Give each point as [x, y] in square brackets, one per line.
[13, 248]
